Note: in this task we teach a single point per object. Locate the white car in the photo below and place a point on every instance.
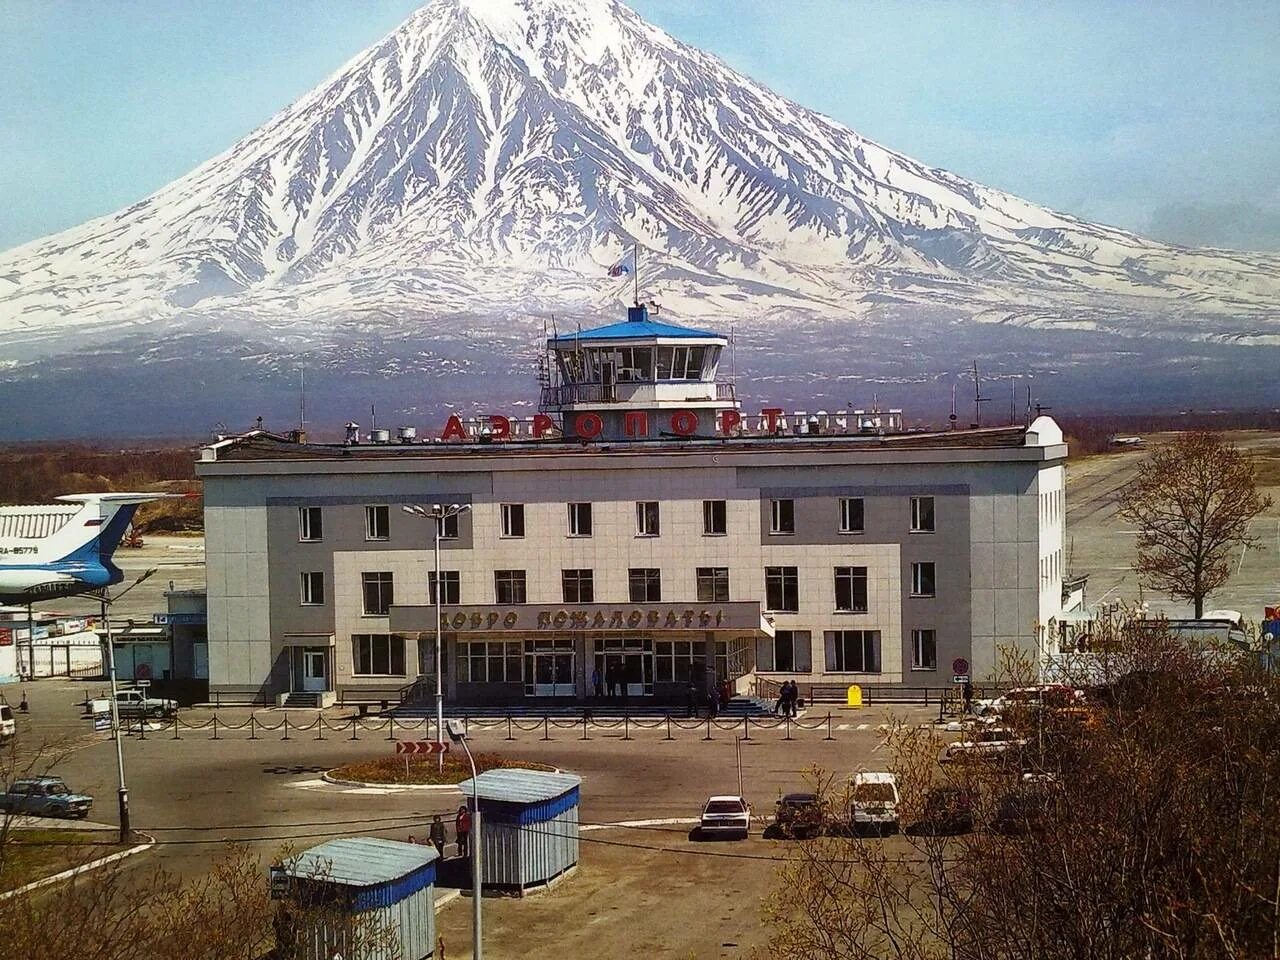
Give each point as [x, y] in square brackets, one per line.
[873, 802]
[8, 727]
[725, 816]
[985, 744]
[136, 703]
[1033, 698]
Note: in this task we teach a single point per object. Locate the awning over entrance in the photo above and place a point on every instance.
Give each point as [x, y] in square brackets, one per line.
[741, 617]
[308, 640]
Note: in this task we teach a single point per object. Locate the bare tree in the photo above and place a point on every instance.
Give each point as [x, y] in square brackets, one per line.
[1192, 502]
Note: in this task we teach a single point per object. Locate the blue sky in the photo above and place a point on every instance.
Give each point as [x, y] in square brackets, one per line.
[1160, 117]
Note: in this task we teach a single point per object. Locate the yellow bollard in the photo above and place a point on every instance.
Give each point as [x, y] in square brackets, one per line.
[854, 697]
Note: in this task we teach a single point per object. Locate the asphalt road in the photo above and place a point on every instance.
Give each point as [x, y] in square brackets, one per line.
[640, 891]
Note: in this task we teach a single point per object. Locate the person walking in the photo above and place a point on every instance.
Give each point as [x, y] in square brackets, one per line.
[597, 683]
[793, 698]
[713, 701]
[691, 699]
[462, 829]
[438, 834]
[966, 692]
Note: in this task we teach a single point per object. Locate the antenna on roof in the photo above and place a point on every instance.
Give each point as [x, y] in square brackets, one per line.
[373, 416]
[302, 400]
[635, 269]
[1028, 404]
[1013, 400]
[952, 418]
[978, 398]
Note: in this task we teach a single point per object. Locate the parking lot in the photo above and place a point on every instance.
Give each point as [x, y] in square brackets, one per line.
[640, 888]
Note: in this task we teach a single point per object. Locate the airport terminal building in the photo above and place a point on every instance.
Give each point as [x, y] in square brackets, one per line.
[640, 529]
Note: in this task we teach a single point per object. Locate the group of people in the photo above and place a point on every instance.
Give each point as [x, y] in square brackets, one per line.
[610, 682]
[438, 833]
[788, 699]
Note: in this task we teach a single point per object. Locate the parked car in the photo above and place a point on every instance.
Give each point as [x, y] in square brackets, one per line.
[1050, 695]
[725, 816]
[44, 797]
[1026, 807]
[946, 810]
[799, 815]
[990, 743]
[8, 726]
[136, 703]
[873, 802]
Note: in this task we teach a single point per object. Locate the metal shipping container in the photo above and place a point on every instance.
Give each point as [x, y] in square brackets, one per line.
[528, 825]
[357, 889]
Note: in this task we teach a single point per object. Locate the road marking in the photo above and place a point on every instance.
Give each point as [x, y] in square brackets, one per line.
[660, 822]
[864, 726]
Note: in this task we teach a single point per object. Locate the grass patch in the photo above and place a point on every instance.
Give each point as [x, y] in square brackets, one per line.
[30, 855]
[423, 770]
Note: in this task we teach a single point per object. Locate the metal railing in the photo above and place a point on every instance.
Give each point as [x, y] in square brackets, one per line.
[768, 689]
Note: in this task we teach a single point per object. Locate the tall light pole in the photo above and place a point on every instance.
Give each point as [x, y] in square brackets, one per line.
[107, 600]
[438, 513]
[458, 734]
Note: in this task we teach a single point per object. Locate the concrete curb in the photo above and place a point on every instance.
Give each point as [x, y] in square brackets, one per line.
[425, 787]
[83, 868]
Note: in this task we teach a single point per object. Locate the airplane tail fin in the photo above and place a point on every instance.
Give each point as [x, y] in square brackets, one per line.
[105, 527]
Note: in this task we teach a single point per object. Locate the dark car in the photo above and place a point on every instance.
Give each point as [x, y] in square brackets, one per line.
[799, 815]
[44, 797]
[946, 810]
[1027, 807]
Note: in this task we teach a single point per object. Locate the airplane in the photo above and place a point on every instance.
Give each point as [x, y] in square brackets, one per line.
[64, 549]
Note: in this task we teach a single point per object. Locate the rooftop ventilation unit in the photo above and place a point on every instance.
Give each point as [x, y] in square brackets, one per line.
[380, 435]
[353, 432]
[407, 434]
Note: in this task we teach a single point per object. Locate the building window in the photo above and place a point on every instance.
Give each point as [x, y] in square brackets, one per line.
[490, 661]
[646, 584]
[310, 523]
[853, 651]
[378, 593]
[449, 527]
[312, 589]
[678, 661]
[851, 515]
[579, 519]
[922, 514]
[923, 583]
[851, 589]
[924, 649]
[377, 655]
[714, 518]
[787, 651]
[508, 586]
[713, 584]
[512, 519]
[452, 581]
[578, 586]
[782, 589]
[377, 523]
[782, 516]
[647, 518]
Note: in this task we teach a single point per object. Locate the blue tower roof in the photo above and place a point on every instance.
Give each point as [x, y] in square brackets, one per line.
[637, 326]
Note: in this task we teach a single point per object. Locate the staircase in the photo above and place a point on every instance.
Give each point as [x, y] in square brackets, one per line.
[298, 699]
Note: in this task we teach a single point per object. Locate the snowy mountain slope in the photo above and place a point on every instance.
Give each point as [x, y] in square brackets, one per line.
[482, 166]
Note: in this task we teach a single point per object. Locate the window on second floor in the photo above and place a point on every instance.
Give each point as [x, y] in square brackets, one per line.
[579, 519]
[377, 522]
[310, 523]
[578, 586]
[782, 516]
[851, 589]
[647, 518]
[713, 584]
[645, 584]
[782, 589]
[922, 514]
[714, 518]
[379, 593]
[452, 583]
[923, 581]
[509, 586]
[512, 519]
[312, 589]
[924, 649]
[851, 515]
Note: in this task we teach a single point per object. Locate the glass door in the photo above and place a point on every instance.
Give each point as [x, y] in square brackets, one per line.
[548, 667]
[625, 665]
[313, 670]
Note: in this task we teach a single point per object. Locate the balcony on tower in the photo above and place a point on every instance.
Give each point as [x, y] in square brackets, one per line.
[642, 366]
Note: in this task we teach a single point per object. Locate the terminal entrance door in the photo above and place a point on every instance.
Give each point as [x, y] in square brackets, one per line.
[626, 662]
[548, 667]
[313, 669]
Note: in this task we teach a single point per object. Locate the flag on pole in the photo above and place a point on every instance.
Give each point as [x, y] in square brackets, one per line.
[620, 269]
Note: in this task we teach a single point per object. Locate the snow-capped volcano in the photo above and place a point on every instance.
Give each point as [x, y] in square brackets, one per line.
[481, 168]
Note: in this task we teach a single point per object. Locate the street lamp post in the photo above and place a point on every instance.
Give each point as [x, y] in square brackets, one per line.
[458, 734]
[438, 514]
[107, 600]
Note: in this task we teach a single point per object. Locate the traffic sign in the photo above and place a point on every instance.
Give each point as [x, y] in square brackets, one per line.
[960, 678]
[959, 665]
[422, 746]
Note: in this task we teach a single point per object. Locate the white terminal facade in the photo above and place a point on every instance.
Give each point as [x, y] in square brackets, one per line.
[642, 527]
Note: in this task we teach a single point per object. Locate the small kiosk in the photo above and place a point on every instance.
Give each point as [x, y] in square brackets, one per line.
[350, 897]
[528, 826]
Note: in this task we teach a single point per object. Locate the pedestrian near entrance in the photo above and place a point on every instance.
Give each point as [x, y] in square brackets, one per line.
[793, 698]
[23, 706]
[966, 692]
[462, 828]
[713, 701]
[691, 699]
[438, 835]
[597, 682]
